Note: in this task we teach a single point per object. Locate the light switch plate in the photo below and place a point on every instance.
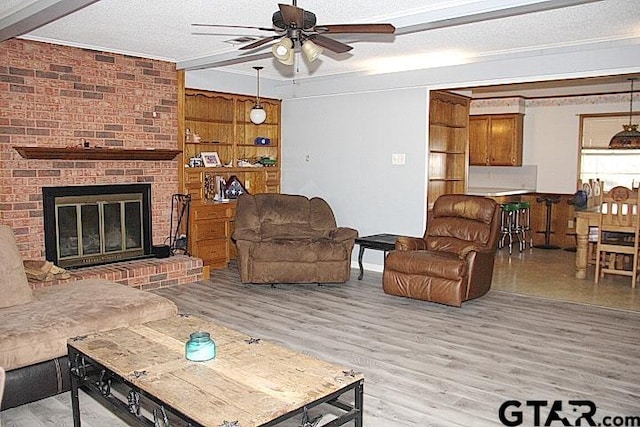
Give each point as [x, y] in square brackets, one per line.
[398, 158]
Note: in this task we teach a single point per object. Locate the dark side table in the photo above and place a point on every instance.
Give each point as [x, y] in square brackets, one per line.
[381, 242]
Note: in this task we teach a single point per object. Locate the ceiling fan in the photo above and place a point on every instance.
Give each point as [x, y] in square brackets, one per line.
[295, 26]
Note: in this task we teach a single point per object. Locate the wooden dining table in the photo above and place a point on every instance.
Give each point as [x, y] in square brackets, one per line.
[584, 219]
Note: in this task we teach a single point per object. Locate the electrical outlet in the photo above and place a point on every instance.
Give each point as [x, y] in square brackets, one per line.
[570, 223]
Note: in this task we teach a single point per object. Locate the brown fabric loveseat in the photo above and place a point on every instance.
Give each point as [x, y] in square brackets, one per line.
[285, 238]
[454, 260]
[35, 324]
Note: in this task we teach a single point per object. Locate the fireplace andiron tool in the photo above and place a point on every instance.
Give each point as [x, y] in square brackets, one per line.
[179, 236]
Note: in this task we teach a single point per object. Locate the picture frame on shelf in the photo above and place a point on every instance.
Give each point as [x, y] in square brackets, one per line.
[210, 159]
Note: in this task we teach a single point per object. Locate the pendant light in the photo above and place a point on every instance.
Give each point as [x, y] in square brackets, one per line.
[629, 137]
[258, 115]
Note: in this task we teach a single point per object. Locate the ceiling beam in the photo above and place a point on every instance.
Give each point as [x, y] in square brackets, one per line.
[37, 14]
[220, 60]
[476, 12]
[459, 14]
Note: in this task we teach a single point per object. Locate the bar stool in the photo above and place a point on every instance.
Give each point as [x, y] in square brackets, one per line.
[509, 225]
[524, 225]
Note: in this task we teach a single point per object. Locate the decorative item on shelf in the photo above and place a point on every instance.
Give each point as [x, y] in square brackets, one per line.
[210, 192]
[210, 159]
[268, 161]
[196, 137]
[234, 188]
[258, 115]
[629, 136]
[261, 140]
[200, 347]
[221, 184]
[195, 162]
[243, 163]
[187, 135]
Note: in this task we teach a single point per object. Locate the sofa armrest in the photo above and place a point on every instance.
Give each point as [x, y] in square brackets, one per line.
[247, 234]
[407, 243]
[341, 234]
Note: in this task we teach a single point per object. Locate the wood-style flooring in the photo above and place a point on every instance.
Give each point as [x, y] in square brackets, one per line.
[424, 364]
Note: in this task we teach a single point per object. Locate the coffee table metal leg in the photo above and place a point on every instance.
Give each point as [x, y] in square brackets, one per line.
[359, 402]
[75, 403]
[360, 262]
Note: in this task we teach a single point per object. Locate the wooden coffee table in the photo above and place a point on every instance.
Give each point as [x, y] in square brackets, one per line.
[142, 373]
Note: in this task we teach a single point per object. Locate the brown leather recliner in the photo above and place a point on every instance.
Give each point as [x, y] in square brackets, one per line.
[453, 262]
[285, 238]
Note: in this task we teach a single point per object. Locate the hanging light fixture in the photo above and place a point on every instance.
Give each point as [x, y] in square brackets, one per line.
[629, 137]
[258, 115]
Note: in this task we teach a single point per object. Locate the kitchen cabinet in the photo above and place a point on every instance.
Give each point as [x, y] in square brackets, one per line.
[495, 140]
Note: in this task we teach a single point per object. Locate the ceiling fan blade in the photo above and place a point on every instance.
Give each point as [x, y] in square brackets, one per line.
[234, 26]
[331, 44]
[356, 28]
[260, 42]
[292, 15]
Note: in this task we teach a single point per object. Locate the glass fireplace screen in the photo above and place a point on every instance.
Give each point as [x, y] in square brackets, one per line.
[107, 227]
[97, 224]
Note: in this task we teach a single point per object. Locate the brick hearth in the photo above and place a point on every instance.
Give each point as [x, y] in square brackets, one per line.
[149, 273]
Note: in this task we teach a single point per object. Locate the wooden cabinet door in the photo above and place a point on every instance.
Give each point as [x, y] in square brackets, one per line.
[495, 140]
[502, 137]
[478, 141]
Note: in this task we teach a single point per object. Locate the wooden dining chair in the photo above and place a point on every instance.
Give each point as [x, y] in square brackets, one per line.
[617, 247]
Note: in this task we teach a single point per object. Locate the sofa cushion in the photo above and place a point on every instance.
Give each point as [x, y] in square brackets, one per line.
[282, 208]
[427, 263]
[299, 250]
[39, 331]
[14, 287]
[294, 231]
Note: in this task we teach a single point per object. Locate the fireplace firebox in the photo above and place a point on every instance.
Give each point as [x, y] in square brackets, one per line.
[97, 224]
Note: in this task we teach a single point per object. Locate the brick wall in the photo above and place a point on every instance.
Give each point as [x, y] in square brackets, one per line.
[58, 96]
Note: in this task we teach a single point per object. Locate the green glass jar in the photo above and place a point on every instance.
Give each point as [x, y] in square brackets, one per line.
[200, 347]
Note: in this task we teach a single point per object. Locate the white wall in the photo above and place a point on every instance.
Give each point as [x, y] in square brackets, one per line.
[343, 154]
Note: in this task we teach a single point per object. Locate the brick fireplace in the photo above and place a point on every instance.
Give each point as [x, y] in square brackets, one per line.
[58, 96]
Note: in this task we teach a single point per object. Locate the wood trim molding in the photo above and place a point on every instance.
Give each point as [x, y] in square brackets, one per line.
[79, 153]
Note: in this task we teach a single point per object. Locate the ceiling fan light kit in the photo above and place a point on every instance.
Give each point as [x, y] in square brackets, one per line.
[258, 115]
[311, 50]
[283, 51]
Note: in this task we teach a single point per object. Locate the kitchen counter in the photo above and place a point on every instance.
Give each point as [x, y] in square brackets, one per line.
[497, 192]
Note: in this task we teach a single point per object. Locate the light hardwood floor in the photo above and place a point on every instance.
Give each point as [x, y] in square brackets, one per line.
[427, 364]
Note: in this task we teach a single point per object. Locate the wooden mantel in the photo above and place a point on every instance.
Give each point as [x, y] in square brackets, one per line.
[93, 153]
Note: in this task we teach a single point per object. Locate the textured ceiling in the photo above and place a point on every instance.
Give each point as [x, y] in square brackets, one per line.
[162, 29]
